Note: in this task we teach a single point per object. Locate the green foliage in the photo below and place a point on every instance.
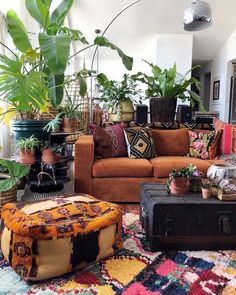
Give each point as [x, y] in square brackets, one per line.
[17, 31]
[168, 83]
[27, 143]
[113, 92]
[15, 170]
[54, 124]
[207, 184]
[27, 80]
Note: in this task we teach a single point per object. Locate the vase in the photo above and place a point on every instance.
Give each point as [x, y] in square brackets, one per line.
[206, 193]
[124, 112]
[217, 172]
[69, 125]
[178, 186]
[162, 109]
[48, 156]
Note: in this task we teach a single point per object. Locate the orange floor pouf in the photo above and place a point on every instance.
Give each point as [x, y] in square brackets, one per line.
[53, 237]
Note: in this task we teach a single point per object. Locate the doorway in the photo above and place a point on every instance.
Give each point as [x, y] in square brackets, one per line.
[207, 91]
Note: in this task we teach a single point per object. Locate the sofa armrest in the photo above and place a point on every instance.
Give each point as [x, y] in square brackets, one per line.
[83, 164]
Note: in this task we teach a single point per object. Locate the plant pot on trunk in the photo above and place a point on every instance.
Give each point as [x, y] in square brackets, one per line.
[69, 124]
[26, 128]
[124, 112]
[48, 156]
[27, 157]
[206, 193]
[162, 109]
[178, 185]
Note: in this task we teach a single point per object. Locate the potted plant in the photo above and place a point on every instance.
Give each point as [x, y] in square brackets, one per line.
[163, 89]
[206, 190]
[177, 181]
[12, 173]
[51, 153]
[118, 97]
[26, 147]
[33, 78]
[194, 181]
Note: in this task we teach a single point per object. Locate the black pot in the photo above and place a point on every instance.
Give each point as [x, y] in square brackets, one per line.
[162, 109]
[26, 128]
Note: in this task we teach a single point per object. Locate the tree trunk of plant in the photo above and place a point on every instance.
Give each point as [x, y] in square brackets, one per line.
[162, 109]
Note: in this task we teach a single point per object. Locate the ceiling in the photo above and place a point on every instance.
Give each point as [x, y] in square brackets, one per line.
[151, 17]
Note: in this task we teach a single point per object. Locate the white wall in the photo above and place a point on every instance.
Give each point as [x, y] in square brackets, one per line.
[222, 70]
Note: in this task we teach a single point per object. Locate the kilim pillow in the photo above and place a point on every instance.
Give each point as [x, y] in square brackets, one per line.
[199, 143]
[109, 141]
[140, 143]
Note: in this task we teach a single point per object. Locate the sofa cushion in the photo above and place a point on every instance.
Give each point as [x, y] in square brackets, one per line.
[165, 164]
[122, 167]
[140, 143]
[109, 141]
[171, 142]
[199, 143]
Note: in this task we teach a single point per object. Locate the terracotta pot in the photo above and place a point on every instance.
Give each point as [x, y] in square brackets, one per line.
[178, 186]
[123, 113]
[69, 125]
[48, 156]
[27, 157]
[206, 193]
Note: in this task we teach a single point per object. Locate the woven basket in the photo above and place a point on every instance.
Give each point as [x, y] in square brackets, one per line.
[7, 196]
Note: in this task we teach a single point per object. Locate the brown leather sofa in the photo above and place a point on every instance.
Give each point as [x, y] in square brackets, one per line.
[119, 179]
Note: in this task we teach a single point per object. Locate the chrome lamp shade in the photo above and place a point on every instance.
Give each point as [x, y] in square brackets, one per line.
[197, 16]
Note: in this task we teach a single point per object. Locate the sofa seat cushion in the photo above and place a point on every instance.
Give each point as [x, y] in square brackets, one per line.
[52, 237]
[164, 165]
[122, 167]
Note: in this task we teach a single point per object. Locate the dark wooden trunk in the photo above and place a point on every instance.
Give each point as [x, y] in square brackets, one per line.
[162, 109]
[186, 222]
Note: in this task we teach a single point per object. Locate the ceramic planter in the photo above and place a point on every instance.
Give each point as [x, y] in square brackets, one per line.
[48, 156]
[123, 113]
[217, 172]
[206, 193]
[178, 186]
[69, 125]
[27, 157]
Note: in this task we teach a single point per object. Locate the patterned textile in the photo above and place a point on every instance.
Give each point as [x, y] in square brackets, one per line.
[136, 270]
[109, 141]
[229, 139]
[140, 143]
[199, 144]
[38, 235]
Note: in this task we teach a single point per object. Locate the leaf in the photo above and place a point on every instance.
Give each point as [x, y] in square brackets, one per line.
[102, 78]
[7, 184]
[47, 2]
[59, 14]
[17, 31]
[103, 41]
[39, 11]
[55, 92]
[82, 86]
[55, 50]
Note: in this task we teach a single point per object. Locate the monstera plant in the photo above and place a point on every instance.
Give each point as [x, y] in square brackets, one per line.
[33, 78]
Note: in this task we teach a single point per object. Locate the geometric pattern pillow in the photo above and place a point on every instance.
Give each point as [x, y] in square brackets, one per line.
[199, 143]
[140, 143]
[109, 141]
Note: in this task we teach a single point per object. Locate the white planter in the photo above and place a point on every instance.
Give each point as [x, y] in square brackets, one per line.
[217, 172]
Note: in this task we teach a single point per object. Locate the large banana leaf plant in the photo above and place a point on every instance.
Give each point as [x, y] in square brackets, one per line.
[27, 79]
[169, 83]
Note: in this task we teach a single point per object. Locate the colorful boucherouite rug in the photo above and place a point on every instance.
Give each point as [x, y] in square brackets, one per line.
[137, 271]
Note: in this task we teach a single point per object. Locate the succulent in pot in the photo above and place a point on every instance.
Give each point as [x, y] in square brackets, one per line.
[26, 147]
[206, 189]
[164, 86]
[177, 181]
[118, 97]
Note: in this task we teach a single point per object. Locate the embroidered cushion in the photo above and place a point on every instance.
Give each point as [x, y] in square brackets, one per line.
[199, 143]
[140, 143]
[72, 230]
[109, 141]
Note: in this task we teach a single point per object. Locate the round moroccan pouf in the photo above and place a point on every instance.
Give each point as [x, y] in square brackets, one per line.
[53, 237]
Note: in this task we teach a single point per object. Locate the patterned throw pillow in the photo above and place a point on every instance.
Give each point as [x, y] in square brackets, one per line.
[199, 143]
[140, 143]
[109, 141]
